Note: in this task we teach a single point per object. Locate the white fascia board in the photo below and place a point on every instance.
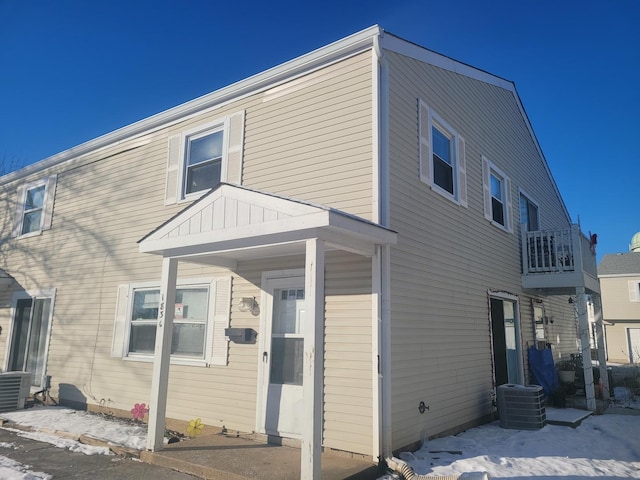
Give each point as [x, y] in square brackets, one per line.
[619, 275]
[412, 50]
[333, 52]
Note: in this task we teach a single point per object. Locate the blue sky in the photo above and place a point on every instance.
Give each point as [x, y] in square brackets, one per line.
[74, 70]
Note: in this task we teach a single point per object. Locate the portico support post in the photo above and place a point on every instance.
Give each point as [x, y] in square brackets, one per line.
[313, 364]
[162, 355]
[585, 347]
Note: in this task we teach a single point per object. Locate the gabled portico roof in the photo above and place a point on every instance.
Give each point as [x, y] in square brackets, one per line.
[233, 223]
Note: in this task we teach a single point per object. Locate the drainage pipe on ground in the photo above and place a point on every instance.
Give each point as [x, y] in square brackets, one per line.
[404, 469]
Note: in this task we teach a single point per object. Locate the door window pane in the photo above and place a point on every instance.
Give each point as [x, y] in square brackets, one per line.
[35, 360]
[286, 361]
[20, 335]
[288, 311]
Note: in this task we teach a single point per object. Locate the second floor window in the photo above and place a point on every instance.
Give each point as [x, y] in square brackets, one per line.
[34, 207]
[497, 196]
[204, 161]
[441, 156]
[529, 214]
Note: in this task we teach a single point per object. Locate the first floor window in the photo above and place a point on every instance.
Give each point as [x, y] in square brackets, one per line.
[189, 327]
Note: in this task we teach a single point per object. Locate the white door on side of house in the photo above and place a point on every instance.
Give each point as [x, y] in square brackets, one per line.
[282, 357]
[30, 337]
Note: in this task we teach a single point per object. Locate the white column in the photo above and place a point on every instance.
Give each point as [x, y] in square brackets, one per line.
[585, 347]
[312, 380]
[602, 358]
[162, 355]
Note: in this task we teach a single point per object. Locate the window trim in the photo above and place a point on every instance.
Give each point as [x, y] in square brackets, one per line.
[233, 126]
[634, 290]
[208, 282]
[49, 184]
[427, 121]
[521, 194]
[488, 168]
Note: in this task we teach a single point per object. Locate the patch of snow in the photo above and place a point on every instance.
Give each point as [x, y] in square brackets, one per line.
[60, 442]
[12, 470]
[67, 420]
[603, 445]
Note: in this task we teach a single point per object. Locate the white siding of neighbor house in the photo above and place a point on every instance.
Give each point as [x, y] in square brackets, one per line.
[449, 256]
[620, 313]
[311, 142]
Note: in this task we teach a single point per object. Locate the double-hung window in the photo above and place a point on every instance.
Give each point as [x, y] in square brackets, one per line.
[34, 207]
[442, 156]
[497, 196]
[203, 157]
[203, 164]
[201, 314]
[189, 324]
[529, 216]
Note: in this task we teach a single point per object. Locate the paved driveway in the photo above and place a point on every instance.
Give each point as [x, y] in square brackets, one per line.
[61, 463]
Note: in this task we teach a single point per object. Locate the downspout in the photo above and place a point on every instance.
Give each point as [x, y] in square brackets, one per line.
[381, 113]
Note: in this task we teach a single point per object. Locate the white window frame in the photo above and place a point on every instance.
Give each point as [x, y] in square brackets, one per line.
[47, 205]
[199, 132]
[489, 169]
[208, 334]
[528, 198]
[634, 291]
[33, 295]
[429, 120]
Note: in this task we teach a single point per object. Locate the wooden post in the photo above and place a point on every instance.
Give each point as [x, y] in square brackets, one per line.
[313, 366]
[162, 355]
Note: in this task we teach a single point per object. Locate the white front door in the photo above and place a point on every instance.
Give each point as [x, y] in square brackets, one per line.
[282, 348]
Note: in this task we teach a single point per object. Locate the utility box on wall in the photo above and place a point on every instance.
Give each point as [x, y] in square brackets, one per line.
[521, 407]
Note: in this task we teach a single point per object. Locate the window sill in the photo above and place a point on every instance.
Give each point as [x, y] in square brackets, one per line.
[30, 234]
[174, 360]
[444, 193]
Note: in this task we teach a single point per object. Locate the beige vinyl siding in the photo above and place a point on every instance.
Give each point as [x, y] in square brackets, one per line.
[618, 341]
[616, 304]
[448, 257]
[315, 142]
[348, 416]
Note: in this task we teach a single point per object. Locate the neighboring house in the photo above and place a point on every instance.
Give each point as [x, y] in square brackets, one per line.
[619, 275]
[340, 236]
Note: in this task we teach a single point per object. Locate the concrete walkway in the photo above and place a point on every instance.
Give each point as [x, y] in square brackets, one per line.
[229, 457]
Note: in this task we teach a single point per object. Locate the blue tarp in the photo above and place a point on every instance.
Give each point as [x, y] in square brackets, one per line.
[543, 370]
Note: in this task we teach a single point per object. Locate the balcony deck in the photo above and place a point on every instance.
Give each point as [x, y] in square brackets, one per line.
[558, 261]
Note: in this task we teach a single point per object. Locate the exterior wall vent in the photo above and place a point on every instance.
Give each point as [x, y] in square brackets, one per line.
[521, 407]
[15, 387]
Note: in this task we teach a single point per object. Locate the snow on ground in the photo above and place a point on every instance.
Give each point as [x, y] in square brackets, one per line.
[602, 446]
[605, 446]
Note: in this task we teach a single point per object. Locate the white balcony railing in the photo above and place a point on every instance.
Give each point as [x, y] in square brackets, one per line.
[558, 252]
